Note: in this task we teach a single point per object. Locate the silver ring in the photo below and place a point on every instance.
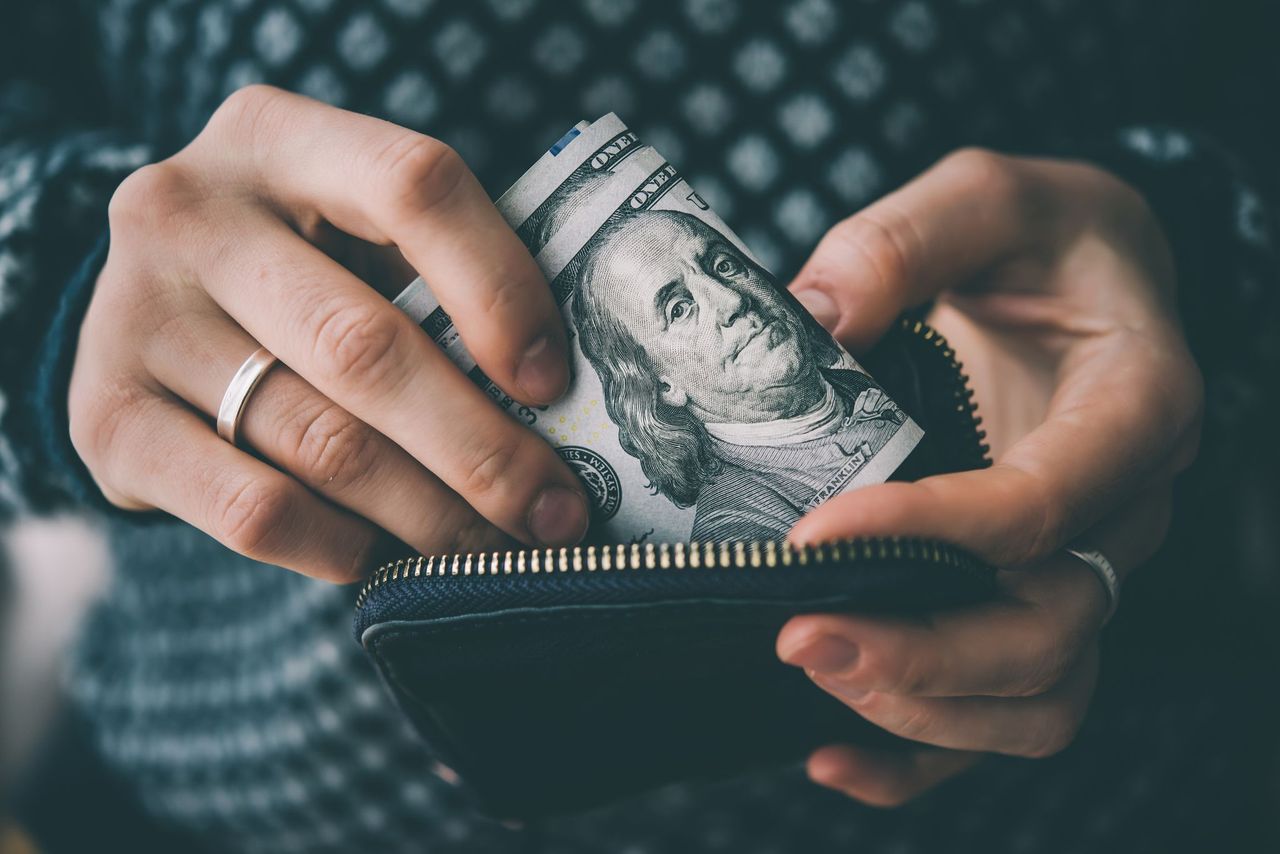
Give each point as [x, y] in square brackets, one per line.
[238, 390]
[1102, 568]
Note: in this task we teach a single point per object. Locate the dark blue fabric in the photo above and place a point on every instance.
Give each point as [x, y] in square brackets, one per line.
[50, 386]
[53, 380]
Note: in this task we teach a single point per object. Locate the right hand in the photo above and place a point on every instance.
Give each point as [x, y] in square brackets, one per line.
[370, 427]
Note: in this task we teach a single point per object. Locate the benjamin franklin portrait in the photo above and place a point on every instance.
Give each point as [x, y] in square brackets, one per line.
[734, 401]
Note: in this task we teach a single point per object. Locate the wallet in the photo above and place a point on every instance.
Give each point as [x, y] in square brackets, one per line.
[555, 680]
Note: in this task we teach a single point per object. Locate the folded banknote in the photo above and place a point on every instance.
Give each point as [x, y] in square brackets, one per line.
[706, 403]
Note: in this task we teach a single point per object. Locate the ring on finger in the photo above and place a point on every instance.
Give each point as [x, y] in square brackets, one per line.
[1103, 569]
[236, 397]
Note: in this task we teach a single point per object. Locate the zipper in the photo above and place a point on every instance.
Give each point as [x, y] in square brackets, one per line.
[965, 409]
[738, 555]
[622, 557]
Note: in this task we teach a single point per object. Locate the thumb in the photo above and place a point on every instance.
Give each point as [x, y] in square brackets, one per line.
[964, 214]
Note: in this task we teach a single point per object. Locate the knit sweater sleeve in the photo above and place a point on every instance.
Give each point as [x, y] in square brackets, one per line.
[61, 157]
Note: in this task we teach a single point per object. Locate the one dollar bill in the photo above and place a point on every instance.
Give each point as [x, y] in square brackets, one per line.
[706, 403]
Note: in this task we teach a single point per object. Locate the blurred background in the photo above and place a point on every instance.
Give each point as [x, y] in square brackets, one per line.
[53, 570]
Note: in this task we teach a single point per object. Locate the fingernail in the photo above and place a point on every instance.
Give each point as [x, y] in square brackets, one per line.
[543, 372]
[822, 307]
[824, 654]
[558, 517]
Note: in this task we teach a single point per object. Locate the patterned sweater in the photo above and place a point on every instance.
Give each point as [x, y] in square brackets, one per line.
[228, 696]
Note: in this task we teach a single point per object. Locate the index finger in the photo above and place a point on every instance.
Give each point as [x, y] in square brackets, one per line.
[962, 215]
[386, 184]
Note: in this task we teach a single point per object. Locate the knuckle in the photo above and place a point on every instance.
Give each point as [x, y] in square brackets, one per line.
[914, 675]
[493, 466]
[241, 115]
[989, 174]
[883, 240]
[505, 296]
[900, 668]
[974, 161]
[358, 342]
[915, 723]
[1042, 525]
[146, 199]
[333, 450]
[98, 419]
[247, 514]
[421, 174]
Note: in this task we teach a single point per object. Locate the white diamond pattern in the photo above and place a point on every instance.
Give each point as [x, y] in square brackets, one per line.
[460, 48]
[661, 54]
[611, 13]
[855, 176]
[363, 43]
[913, 26]
[806, 120]
[411, 99]
[860, 73]
[788, 115]
[560, 49]
[754, 162]
[760, 65]
[277, 36]
[711, 16]
[812, 21]
[707, 109]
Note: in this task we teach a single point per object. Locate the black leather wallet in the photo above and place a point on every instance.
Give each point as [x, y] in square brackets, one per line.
[553, 680]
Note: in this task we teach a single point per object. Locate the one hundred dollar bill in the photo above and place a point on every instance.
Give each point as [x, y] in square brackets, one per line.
[705, 402]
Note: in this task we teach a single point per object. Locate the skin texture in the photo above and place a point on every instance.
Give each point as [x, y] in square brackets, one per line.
[270, 228]
[1055, 286]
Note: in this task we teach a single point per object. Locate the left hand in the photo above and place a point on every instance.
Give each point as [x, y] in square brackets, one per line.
[1055, 286]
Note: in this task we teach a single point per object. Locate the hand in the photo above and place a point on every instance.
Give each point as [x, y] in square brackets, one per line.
[250, 235]
[1056, 288]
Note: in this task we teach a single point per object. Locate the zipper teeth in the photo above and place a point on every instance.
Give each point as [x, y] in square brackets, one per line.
[966, 409]
[717, 555]
[755, 554]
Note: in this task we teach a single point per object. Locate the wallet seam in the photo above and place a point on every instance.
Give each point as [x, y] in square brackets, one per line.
[563, 613]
